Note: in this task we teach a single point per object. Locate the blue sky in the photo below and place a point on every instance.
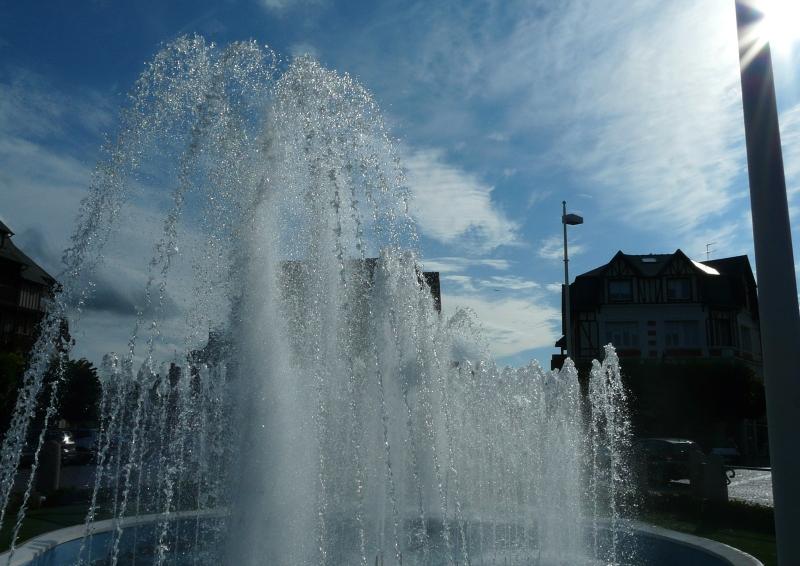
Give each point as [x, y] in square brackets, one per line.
[628, 109]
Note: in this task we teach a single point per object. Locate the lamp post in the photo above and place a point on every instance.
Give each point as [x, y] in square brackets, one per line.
[567, 220]
[777, 288]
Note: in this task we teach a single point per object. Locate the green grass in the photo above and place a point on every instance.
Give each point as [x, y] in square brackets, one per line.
[39, 521]
[749, 528]
[64, 508]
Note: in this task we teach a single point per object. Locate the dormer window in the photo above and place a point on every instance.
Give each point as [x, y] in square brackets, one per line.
[620, 290]
[679, 289]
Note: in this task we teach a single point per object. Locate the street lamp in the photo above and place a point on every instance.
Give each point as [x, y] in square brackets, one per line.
[567, 220]
[777, 287]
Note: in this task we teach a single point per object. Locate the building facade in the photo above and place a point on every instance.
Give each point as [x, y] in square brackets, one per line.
[24, 290]
[666, 306]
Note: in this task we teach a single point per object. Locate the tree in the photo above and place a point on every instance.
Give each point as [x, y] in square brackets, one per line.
[79, 392]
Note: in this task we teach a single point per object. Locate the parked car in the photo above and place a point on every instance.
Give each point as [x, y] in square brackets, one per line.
[728, 451]
[69, 453]
[85, 444]
[666, 459]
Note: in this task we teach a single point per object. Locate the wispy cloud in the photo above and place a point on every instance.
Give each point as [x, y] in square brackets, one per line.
[42, 187]
[639, 102]
[463, 283]
[303, 48]
[537, 196]
[280, 7]
[454, 206]
[653, 119]
[554, 287]
[790, 139]
[33, 109]
[510, 325]
[498, 136]
[494, 283]
[459, 264]
[553, 248]
[509, 283]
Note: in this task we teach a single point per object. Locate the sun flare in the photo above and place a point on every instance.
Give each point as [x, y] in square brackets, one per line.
[781, 23]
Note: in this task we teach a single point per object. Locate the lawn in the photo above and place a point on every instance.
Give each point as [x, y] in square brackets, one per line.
[38, 521]
[749, 528]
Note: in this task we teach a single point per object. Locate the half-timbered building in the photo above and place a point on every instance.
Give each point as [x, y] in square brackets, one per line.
[24, 290]
[666, 306]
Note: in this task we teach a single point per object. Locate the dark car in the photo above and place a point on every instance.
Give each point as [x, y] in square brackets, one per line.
[85, 444]
[666, 459]
[69, 452]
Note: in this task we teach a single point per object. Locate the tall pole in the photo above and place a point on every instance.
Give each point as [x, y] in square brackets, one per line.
[777, 288]
[567, 321]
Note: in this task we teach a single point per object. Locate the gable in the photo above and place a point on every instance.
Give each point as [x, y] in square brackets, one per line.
[619, 267]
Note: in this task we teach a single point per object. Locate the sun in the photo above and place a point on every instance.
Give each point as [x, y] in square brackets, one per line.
[781, 23]
[776, 22]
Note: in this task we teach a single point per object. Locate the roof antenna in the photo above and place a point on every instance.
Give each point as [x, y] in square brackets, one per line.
[708, 250]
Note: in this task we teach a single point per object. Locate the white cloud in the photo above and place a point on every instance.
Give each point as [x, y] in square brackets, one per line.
[653, 121]
[459, 264]
[464, 283]
[510, 325]
[725, 240]
[638, 102]
[453, 206]
[553, 248]
[42, 187]
[790, 139]
[303, 48]
[282, 6]
[31, 108]
[554, 287]
[537, 196]
[508, 283]
[498, 136]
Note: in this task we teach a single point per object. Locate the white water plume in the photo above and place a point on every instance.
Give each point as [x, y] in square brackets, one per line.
[331, 416]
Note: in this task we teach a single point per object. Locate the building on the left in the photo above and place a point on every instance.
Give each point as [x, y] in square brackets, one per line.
[24, 289]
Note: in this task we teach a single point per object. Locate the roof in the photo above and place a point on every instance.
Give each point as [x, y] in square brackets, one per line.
[724, 282]
[30, 270]
[5, 230]
[737, 265]
[651, 265]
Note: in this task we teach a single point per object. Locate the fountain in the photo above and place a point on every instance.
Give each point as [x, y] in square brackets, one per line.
[332, 416]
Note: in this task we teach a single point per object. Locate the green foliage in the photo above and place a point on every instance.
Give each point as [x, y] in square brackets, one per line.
[77, 396]
[80, 392]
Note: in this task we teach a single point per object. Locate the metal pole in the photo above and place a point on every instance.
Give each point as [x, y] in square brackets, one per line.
[567, 322]
[777, 288]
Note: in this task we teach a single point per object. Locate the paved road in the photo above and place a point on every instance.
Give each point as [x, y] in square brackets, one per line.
[753, 486]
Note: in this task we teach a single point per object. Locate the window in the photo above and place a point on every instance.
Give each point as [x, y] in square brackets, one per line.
[620, 290]
[747, 338]
[682, 334]
[723, 332]
[679, 289]
[623, 334]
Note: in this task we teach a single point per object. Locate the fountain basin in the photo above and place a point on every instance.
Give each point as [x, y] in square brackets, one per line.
[655, 546]
[62, 547]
